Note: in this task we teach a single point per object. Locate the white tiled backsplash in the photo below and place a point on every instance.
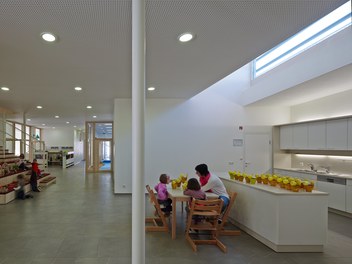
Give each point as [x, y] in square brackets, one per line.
[336, 164]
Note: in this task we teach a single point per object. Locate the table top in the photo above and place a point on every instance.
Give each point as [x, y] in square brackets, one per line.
[178, 193]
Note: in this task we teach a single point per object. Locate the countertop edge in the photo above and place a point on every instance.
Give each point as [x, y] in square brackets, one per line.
[270, 189]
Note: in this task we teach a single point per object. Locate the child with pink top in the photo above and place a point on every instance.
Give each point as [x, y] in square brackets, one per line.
[163, 197]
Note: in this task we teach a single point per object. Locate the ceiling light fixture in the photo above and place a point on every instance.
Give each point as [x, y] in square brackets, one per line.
[49, 37]
[89, 107]
[78, 88]
[151, 89]
[43, 124]
[185, 37]
[39, 107]
[57, 117]
[67, 122]
[94, 116]
[5, 88]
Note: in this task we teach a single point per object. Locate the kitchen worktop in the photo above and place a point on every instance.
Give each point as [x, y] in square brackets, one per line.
[267, 187]
[330, 174]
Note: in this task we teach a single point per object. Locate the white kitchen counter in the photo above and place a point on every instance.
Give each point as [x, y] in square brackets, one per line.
[283, 220]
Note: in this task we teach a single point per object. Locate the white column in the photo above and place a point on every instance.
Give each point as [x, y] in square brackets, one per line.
[138, 107]
[23, 142]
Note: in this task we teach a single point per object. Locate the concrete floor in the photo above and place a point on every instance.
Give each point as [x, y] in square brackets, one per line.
[80, 220]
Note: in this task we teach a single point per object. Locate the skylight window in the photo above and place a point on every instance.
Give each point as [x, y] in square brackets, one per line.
[332, 23]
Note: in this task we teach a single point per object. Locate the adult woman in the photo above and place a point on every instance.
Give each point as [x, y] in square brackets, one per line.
[211, 182]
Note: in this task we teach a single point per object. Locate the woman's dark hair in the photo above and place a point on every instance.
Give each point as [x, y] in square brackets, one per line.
[202, 169]
[193, 184]
[163, 178]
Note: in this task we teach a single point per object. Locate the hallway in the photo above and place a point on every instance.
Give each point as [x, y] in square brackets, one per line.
[80, 220]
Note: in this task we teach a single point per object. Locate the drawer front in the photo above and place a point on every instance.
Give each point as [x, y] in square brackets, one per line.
[337, 194]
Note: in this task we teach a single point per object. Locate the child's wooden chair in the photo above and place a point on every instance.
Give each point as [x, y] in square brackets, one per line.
[221, 229]
[211, 210]
[159, 223]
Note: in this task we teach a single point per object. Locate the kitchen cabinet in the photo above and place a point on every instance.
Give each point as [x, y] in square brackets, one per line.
[317, 135]
[300, 136]
[349, 196]
[336, 134]
[286, 137]
[283, 220]
[336, 187]
[349, 135]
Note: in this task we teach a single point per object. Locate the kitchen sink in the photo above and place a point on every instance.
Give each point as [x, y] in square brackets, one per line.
[316, 172]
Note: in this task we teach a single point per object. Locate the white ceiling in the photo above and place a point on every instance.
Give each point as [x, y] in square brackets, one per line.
[94, 49]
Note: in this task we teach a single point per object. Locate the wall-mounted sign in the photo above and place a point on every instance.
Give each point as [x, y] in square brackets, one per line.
[238, 142]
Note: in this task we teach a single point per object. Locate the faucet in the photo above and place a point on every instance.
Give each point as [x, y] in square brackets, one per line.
[311, 166]
[327, 169]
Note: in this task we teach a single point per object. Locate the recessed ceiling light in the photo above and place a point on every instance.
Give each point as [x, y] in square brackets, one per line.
[78, 88]
[94, 116]
[67, 122]
[39, 107]
[74, 126]
[28, 119]
[5, 88]
[89, 107]
[185, 37]
[43, 124]
[151, 88]
[57, 117]
[49, 37]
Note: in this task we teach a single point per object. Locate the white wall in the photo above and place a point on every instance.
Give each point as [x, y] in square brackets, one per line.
[328, 107]
[181, 134]
[58, 137]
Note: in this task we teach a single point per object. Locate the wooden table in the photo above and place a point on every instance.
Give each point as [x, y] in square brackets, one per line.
[176, 195]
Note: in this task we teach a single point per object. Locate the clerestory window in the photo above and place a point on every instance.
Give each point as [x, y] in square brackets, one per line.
[324, 28]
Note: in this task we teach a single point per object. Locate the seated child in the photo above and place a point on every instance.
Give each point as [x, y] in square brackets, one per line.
[194, 190]
[22, 163]
[20, 188]
[161, 189]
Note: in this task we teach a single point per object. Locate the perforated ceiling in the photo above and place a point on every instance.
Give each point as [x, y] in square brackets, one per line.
[94, 49]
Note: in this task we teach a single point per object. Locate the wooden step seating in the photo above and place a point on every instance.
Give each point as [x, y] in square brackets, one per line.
[9, 180]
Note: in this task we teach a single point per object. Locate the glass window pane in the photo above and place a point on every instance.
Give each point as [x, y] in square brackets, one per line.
[17, 147]
[103, 130]
[332, 23]
[9, 130]
[18, 131]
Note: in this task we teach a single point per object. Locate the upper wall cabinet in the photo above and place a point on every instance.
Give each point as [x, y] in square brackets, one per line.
[300, 136]
[336, 134]
[286, 137]
[349, 136]
[317, 135]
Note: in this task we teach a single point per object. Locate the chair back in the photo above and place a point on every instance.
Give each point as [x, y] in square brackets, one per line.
[203, 217]
[159, 222]
[206, 207]
[222, 230]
